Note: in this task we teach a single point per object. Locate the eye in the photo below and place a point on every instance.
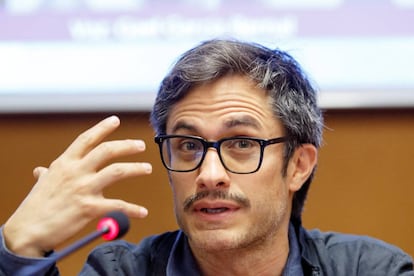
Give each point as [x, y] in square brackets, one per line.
[240, 144]
[189, 145]
[244, 143]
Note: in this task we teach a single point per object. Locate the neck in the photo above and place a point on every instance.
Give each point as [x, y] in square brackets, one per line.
[267, 258]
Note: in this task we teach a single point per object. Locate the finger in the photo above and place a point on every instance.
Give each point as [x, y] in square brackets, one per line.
[110, 150]
[119, 171]
[129, 209]
[38, 171]
[92, 137]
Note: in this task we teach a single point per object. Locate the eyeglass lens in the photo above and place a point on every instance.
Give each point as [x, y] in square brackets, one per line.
[239, 155]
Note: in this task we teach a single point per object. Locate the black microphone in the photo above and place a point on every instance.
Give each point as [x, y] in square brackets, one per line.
[113, 226]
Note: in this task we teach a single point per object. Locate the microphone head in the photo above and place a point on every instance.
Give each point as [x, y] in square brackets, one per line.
[113, 226]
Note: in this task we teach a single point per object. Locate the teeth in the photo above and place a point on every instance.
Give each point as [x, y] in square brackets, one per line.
[213, 211]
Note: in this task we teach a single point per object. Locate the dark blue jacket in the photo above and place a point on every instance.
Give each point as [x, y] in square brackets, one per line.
[322, 254]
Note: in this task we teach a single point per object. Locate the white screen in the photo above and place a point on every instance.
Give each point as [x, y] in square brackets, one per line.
[110, 55]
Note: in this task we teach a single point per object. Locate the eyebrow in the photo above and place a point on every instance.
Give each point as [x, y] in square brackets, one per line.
[229, 123]
[183, 125]
[242, 121]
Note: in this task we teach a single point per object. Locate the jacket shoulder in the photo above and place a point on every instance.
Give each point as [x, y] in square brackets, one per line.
[149, 257]
[357, 255]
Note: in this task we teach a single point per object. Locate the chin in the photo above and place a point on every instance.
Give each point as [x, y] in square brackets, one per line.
[216, 240]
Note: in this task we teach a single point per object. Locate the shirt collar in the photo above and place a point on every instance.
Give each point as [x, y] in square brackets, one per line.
[294, 262]
[181, 260]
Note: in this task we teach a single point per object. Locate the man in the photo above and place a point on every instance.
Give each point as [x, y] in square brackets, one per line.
[238, 129]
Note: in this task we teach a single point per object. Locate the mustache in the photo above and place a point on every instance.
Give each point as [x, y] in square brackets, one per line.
[215, 194]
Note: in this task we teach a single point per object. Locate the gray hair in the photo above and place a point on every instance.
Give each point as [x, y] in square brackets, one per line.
[293, 97]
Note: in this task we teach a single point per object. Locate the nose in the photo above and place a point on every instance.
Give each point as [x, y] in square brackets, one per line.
[212, 174]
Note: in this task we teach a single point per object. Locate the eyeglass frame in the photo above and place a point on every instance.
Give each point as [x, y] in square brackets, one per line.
[159, 139]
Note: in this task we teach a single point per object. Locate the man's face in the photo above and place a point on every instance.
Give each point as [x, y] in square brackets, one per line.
[250, 208]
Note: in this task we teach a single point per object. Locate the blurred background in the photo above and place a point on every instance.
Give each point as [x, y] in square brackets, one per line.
[64, 65]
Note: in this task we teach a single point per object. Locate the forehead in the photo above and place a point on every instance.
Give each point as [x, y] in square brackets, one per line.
[226, 103]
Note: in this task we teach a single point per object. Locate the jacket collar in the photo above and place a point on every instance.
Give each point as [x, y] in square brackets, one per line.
[310, 260]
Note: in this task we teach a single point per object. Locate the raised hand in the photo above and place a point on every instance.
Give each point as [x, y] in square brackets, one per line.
[69, 194]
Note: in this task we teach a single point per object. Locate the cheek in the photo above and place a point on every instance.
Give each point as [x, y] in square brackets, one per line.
[269, 187]
[269, 195]
[270, 200]
[182, 186]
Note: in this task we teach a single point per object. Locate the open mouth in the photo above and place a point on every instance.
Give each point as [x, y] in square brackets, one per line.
[214, 210]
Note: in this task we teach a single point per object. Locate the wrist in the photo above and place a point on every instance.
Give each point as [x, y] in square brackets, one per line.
[21, 244]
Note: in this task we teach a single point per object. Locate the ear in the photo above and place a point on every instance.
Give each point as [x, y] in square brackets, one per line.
[301, 166]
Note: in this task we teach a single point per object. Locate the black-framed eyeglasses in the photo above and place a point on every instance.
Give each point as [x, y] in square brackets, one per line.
[185, 153]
